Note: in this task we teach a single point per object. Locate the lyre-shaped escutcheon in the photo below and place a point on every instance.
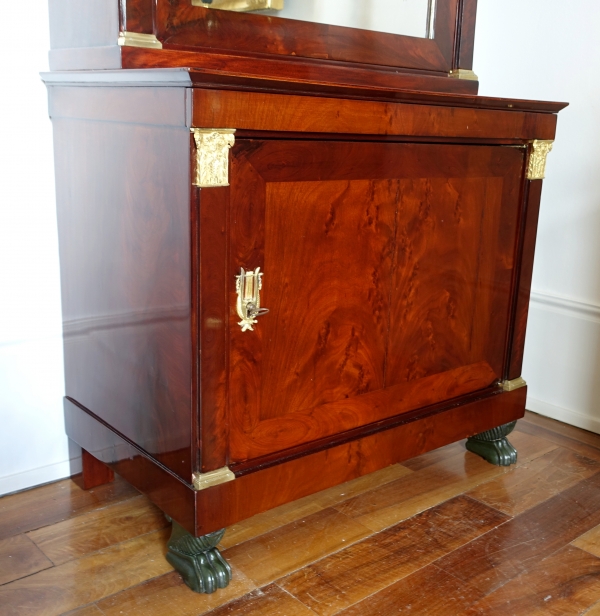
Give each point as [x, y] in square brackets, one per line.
[248, 286]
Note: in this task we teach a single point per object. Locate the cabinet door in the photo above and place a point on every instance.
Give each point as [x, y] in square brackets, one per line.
[387, 274]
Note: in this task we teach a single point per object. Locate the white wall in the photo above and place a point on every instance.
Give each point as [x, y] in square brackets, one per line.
[527, 49]
[549, 49]
[33, 447]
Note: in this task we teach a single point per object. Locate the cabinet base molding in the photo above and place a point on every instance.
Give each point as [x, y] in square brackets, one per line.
[198, 560]
[493, 446]
[206, 511]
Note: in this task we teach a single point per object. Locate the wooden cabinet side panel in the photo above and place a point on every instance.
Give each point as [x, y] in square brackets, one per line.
[523, 285]
[124, 238]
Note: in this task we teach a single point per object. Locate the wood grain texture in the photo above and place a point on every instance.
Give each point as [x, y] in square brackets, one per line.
[168, 595]
[590, 541]
[565, 440]
[294, 545]
[418, 275]
[428, 591]
[573, 433]
[62, 500]
[536, 481]
[97, 530]
[274, 485]
[64, 588]
[566, 583]
[90, 610]
[409, 495]
[279, 516]
[433, 457]
[269, 600]
[330, 320]
[95, 473]
[347, 577]
[490, 561]
[19, 557]
[447, 278]
[593, 611]
[275, 112]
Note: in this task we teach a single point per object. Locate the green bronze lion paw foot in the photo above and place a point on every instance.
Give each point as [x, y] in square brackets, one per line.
[198, 560]
[493, 446]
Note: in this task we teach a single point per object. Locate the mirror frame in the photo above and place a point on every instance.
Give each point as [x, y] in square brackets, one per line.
[179, 25]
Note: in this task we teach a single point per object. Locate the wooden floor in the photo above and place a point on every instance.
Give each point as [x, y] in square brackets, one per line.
[445, 533]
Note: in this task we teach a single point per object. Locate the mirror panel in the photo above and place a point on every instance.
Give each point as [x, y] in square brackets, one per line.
[406, 17]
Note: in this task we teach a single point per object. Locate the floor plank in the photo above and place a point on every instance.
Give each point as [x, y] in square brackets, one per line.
[270, 520]
[356, 572]
[594, 610]
[564, 584]
[294, 545]
[167, 595]
[572, 432]
[429, 591]
[490, 561]
[534, 482]
[19, 557]
[32, 509]
[271, 601]
[434, 484]
[96, 530]
[590, 541]
[531, 429]
[88, 579]
[435, 457]
[88, 610]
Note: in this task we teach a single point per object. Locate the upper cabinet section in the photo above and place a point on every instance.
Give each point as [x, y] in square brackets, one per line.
[409, 44]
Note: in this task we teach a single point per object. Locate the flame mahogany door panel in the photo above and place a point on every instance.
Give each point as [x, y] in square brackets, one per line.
[387, 273]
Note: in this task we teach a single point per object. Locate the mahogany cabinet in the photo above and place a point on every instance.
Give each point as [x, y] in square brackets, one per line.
[279, 274]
